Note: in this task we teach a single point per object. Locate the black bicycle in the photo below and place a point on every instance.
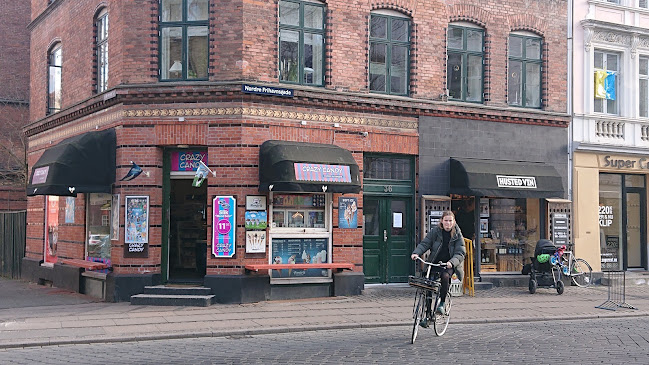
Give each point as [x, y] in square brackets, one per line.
[423, 309]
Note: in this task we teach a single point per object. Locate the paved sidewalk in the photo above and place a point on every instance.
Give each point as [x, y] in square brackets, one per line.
[31, 315]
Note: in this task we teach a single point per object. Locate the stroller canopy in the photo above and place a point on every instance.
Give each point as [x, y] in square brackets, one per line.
[544, 246]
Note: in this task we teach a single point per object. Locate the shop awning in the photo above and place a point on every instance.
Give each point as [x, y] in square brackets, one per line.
[506, 179]
[79, 164]
[307, 167]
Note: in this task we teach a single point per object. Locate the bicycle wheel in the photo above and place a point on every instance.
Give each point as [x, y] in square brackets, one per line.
[418, 312]
[440, 322]
[582, 273]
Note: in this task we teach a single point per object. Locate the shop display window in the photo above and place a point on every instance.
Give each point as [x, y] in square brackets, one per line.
[509, 230]
[299, 211]
[610, 222]
[98, 212]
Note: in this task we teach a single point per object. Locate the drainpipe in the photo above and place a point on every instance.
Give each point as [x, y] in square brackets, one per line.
[569, 97]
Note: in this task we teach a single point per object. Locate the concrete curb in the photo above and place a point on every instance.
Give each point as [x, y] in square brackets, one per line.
[288, 329]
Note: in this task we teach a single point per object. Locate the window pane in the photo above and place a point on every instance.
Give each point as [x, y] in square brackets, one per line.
[533, 49]
[313, 17]
[102, 60]
[454, 74]
[172, 10]
[289, 68]
[371, 217]
[644, 66]
[644, 98]
[55, 88]
[473, 40]
[398, 70]
[197, 10]
[634, 181]
[611, 107]
[533, 85]
[171, 58]
[455, 39]
[515, 47]
[611, 62]
[610, 220]
[197, 52]
[643, 4]
[102, 28]
[399, 30]
[474, 78]
[598, 105]
[313, 52]
[98, 225]
[378, 27]
[289, 13]
[514, 83]
[378, 67]
[599, 60]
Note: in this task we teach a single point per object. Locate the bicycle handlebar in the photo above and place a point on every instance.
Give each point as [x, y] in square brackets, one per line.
[440, 264]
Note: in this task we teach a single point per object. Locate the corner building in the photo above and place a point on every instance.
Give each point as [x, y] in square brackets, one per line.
[309, 117]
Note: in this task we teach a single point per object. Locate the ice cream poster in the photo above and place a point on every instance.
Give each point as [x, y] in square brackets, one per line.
[347, 213]
[300, 251]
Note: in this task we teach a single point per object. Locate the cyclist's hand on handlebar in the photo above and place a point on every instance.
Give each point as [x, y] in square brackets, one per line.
[449, 265]
[414, 256]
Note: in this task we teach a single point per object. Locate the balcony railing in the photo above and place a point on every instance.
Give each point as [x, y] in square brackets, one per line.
[611, 131]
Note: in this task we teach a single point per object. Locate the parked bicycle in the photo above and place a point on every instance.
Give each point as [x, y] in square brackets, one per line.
[577, 269]
[428, 289]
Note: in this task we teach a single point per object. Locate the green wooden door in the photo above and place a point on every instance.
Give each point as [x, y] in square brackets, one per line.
[387, 242]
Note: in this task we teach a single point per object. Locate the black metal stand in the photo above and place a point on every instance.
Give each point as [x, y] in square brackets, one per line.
[616, 292]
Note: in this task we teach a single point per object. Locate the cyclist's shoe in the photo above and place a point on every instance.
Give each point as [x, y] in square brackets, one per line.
[424, 323]
[440, 309]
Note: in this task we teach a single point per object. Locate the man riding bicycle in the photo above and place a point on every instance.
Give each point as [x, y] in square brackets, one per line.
[446, 244]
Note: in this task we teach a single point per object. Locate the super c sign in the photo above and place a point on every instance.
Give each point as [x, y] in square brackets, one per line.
[612, 162]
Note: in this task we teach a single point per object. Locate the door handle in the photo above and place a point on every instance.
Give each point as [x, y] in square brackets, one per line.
[385, 235]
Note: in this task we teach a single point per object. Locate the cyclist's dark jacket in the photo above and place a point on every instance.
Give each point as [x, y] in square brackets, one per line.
[457, 251]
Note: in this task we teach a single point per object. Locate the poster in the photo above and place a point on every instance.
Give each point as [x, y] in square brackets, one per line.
[69, 209]
[255, 202]
[300, 251]
[136, 223]
[256, 220]
[484, 208]
[51, 228]
[224, 226]
[484, 225]
[255, 241]
[347, 213]
[114, 218]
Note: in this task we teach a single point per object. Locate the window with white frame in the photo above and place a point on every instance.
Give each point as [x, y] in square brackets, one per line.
[101, 39]
[606, 80]
[644, 86]
[54, 76]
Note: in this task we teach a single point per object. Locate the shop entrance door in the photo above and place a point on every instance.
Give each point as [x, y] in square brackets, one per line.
[635, 247]
[387, 242]
[187, 231]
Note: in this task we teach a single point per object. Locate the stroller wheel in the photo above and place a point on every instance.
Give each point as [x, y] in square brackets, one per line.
[533, 286]
[560, 287]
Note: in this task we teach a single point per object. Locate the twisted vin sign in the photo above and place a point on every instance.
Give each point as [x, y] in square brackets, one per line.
[224, 227]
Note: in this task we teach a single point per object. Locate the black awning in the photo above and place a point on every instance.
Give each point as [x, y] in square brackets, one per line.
[307, 167]
[79, 164]
[507, 179]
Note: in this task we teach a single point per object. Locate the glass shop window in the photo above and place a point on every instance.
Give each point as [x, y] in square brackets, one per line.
[299, 211]
[98, 213]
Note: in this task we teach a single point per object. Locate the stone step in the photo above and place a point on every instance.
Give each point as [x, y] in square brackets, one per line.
[177, 290]
[172, 300]
[482, 285]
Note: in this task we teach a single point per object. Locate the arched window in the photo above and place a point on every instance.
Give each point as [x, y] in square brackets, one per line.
[524, 70]
[301, 42]
[101, 44]
[389, 53]
[465, 49]
[184, 28]
[54, 76]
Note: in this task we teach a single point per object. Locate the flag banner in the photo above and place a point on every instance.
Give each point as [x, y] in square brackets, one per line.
[600, 90]
[134, 172]
[201, 174]
[609, 85]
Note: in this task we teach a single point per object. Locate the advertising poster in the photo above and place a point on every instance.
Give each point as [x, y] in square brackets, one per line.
[224, 227]
[51, 228]
[300, 251]
[255, 241]
[347, 213]
[136, 222]
[69, 209]
[114, 218]
[256, 220]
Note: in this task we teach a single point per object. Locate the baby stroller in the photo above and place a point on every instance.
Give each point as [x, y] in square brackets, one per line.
[545, 270]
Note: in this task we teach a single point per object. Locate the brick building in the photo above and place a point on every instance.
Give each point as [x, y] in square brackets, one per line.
[14, 102]
[324, 124]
